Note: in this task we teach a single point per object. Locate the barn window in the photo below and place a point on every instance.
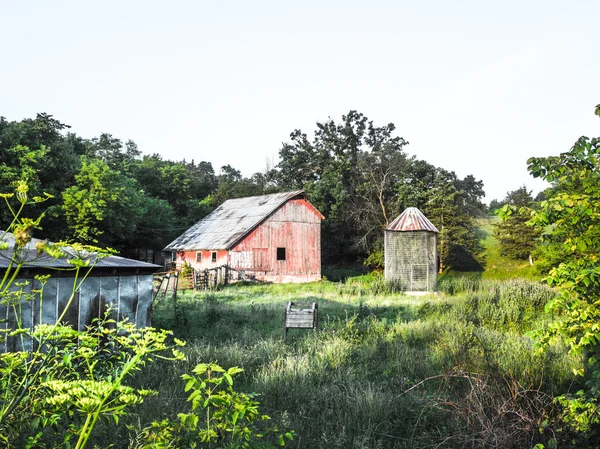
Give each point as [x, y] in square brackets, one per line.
[280, 253]
[214, 257]
[173, 257]
[199, 256]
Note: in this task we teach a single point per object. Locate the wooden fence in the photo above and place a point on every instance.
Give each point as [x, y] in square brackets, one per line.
[168, 283]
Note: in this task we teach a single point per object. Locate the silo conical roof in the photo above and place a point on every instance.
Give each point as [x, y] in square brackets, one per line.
[412, 219]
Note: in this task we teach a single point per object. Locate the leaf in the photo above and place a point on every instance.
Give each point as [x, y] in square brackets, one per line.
[194, 395]
[190, 383]
[194, 421]
[586, 281]
[216, 368]
[234, 370]
[183, 418]
[200, 368]
[35, 422]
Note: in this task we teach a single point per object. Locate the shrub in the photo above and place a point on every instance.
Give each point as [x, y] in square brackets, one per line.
[219, 416]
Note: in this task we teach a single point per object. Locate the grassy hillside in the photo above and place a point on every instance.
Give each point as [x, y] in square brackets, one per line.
[497, 267]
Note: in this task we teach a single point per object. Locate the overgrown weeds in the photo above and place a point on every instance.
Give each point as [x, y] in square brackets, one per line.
[342, 385]
[495, 411]
[508, 306]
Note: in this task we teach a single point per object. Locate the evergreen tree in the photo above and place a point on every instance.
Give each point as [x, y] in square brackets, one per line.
[459, 245]
[518, 239]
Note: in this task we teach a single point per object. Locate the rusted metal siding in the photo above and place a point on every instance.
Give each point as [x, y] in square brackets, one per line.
[295, 226]
[123, 284]
[412, 219]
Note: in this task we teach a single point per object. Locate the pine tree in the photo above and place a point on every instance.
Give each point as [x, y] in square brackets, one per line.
[517, 237]
[459, 246]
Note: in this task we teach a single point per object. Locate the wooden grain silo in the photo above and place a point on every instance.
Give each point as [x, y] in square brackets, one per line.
[411, 251]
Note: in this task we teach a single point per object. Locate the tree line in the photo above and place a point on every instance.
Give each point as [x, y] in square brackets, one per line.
[106, 192]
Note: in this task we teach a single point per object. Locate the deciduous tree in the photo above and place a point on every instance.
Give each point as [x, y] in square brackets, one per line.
[573, 214]
[459, 245]
[103, 206]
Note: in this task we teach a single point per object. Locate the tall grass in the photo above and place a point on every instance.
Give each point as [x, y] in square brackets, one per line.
[379, 369]
[502, 305]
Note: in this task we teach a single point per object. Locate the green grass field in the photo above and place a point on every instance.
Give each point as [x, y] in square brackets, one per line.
[383, 370]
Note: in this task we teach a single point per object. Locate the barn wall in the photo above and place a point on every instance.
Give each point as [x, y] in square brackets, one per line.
[296, 226]
[130, 296]
[206, 262]
[411, 258]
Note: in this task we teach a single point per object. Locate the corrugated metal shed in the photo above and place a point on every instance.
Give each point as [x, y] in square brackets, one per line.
[123, 284]
[231, 222]
[412, 219]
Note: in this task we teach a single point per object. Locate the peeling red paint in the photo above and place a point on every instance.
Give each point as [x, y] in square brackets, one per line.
[206, 260]
[296, 226]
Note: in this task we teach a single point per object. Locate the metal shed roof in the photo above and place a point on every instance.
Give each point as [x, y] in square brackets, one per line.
[231, 222]
[29, 255]
[412, 219]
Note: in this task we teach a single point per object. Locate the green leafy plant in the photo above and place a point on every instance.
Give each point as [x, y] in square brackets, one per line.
[219, 416]
[77, 378]
[517, 236]
[106, 357]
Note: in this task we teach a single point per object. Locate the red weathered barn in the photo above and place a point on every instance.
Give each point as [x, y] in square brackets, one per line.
[275, 237]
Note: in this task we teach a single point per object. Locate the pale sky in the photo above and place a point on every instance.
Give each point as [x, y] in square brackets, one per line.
[476, 87]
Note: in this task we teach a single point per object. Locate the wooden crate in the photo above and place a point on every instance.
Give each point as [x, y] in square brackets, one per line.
[300, 315]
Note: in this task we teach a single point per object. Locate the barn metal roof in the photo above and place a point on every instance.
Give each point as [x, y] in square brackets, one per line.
[231, 222]
[412, 219]
[31, 259]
